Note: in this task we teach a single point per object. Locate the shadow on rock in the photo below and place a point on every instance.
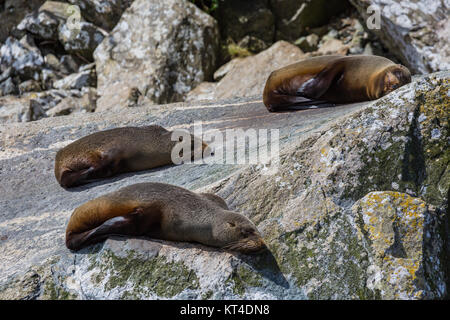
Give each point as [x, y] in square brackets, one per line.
[265, 265]
[110, 180]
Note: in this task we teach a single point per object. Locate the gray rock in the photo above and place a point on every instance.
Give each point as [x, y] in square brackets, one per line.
[294, 18]
[334, 226]
[253, 18]
[41, 24]
[7, 87]
[416, 31]
[82, 41]
[247, 76]
[29, 85]
[12, 12]
[104, 14]
[33, 106]
[308, 43]
[163, 49]
[79, 80]
[22, 56]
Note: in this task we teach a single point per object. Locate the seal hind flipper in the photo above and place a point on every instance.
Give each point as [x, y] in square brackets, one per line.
[131, 224]
[287, 102]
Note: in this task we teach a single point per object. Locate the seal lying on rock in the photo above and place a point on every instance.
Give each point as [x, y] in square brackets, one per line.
[110, 152]
[333, 79]
[166, 212]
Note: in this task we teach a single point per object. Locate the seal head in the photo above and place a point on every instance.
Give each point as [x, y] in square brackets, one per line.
[237, 233]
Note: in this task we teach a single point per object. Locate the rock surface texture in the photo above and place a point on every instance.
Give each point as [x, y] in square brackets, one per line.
[356, 209]
[247, 76]
[162, 49]
[417, 31]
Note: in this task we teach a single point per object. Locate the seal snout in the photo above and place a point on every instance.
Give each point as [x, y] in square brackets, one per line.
[251, 245]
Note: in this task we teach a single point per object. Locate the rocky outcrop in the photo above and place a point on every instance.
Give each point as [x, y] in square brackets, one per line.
[12, 12]
[104, 14]
[51, 103]
[161, 49]
[246, 77]
[295, 18]
[354, 211]
[416, 31]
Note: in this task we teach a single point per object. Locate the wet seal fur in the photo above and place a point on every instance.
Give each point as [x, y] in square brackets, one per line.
[107, 153]
[166, 212]
[326, 80]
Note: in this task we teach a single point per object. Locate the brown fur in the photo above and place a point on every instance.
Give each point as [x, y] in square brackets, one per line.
[110, 152]
[166, 212]
[335, 79]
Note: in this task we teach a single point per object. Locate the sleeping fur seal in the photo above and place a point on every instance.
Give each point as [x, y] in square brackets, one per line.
[333, 79]
[110, 152]
[166, 212]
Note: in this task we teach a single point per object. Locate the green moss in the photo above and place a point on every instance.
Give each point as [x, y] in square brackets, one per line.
[236, 51]
[315, 254]
[54, 291]
[156, 275]
[243, 278]
[207, 295]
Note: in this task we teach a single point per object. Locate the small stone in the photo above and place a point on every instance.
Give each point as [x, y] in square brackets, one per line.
[29, 86]
[7, 87]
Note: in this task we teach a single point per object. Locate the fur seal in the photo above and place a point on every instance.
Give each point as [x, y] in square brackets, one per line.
[166, 212]
[333, 79]
[110, 152]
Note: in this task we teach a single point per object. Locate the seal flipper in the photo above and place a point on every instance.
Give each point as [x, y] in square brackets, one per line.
[316, 87]
[127, 225]
[287, 103]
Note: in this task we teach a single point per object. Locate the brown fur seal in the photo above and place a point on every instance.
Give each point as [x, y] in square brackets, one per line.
[110, 152]
[166, 212]
[333, 79]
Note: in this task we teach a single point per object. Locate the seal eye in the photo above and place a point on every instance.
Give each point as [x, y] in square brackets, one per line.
[247, 232]
[231, 224]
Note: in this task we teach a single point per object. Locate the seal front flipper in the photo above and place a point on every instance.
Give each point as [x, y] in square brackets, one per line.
[316, 87]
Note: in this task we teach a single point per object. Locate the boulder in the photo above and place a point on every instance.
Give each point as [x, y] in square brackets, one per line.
[355, 209]
[104, 14]
[416, 31]
[12, 12]
[85, 78]
[82, 41]
[23, 57]
[44, 23]
[247, 76]
[252, 18]
[162, 49]
[295, 18]
[32, 106]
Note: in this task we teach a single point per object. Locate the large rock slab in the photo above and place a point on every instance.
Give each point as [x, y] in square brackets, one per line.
[247, 76]
[163, 49]
[416, 31]
[344, 215]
